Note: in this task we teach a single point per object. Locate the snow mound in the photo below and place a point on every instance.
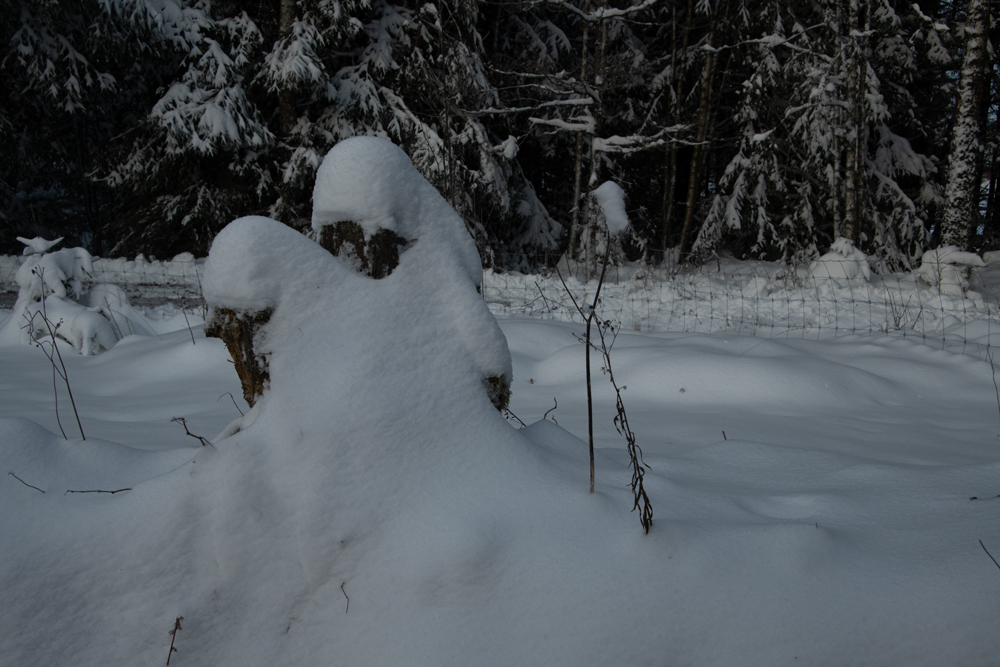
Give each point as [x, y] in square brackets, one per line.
[372, 182]
[948, 270]
[843, 262]
[611, 198]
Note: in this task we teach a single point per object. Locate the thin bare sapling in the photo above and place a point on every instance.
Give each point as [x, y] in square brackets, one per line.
[588, 319]
[611, 200]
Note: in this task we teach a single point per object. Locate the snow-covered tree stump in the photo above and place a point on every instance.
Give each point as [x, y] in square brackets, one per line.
[370, 207]
[238, 329]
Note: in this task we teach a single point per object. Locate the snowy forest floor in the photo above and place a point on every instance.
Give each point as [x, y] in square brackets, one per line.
[811, 494]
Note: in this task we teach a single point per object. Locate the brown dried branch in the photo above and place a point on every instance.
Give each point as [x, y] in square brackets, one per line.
[203, 441]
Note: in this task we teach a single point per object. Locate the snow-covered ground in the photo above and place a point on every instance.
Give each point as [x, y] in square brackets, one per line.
[811, 494]
[811, 504]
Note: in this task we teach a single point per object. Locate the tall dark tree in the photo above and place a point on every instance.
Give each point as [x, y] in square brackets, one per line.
[965, 166]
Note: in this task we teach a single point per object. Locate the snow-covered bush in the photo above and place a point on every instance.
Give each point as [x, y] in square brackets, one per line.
[948, 271]
[844, 262]
[50, 287]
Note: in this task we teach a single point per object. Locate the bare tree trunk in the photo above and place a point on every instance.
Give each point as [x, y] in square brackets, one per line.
[83, 156]
[446, 109]
[854, 155]
[670, 176]
[286, 98]
[574, 229]
[990, 224]
[964, 170]
[600, 73]
[704, 106]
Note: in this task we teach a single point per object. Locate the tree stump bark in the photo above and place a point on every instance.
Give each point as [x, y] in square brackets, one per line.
[238, 330]
[375, 258]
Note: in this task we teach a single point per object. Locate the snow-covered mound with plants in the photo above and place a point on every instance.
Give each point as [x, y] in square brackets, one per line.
[811, 498]
[53, 305]
[843, 262]
[948, 270]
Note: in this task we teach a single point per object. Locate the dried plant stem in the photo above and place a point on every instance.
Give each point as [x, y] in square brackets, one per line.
[173, 637]
[988, 553]
[546, 415]
[98, 491]
[53, 355]
[188, 322]
[32, 486]
[203, 441]
[993, 368]
[622, 425]
[230, 394]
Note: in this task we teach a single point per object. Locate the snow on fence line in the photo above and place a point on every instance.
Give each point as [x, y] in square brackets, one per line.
[731, 297]
[765, 300]
[147, 282]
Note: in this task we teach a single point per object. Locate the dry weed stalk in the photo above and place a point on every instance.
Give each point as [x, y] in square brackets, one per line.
[621, 424]
[204, 441]
[51, 350]
[173, 637]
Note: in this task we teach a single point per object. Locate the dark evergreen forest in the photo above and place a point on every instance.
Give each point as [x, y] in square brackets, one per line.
[764, 129]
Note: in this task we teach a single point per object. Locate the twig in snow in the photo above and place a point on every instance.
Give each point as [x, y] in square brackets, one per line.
[203, 441]
[508, 414]
[540, 292]
[546, 415]
[99, 491]
[114, 320]
[23, 482]
[188, 322]
[349, 599]
[989, 355]
[173, 637]
[988, 553]
[234, 401]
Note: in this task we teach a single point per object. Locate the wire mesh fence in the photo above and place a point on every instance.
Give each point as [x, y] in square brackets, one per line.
[765, 300]
[728, 297]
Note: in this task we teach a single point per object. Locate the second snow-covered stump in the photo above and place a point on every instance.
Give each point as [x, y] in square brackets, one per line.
[375, 213]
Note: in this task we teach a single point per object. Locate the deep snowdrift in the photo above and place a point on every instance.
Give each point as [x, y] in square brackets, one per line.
[830, 524]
